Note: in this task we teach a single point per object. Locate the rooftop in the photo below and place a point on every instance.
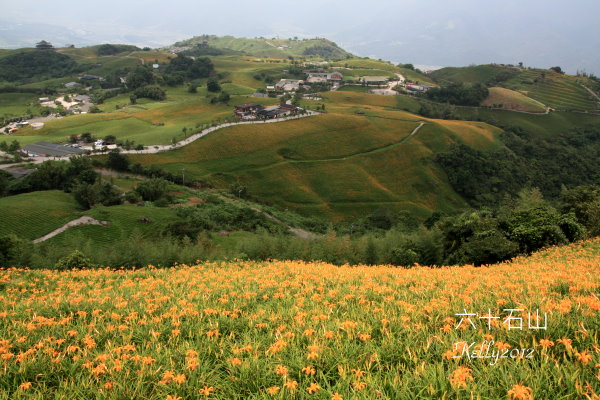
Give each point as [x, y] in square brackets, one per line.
[52, 149]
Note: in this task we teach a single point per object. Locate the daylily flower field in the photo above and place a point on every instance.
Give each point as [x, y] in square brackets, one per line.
[291, 330]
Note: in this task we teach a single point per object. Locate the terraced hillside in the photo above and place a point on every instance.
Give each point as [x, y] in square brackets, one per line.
[558, 91]
[32, 215]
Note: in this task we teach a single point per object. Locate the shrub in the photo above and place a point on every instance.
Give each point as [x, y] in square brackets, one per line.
[74, 260]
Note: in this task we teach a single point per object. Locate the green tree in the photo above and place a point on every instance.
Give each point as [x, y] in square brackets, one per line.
[117, 161]
[110, 139]
[141, 76]
[14, 146]
[213, 86]
[14, 251]
[584, 202]
[150, 92]
[535, 228]
[74, 260]
[86, 194]
[152, 189]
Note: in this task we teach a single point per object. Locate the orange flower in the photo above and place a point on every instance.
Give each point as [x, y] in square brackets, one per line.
[206, 391]
[337, 396]
[291, 385]
[328, 334]
[460, 376]
[520, 392]
[359, 385]
[235, 361]
[147, 360]
[545, 343]
[309, 370]
[364, 337]
[565, 342]
[313, 388]
[309, 332]
[169, 397]
[357, 372]
[584, 357]
[179, 379]
[281, 370]
[25, 385]
[273, 390]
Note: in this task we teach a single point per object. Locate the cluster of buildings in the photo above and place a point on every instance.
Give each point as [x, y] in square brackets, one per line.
[75, 105]
[253, 111]
[293, 85]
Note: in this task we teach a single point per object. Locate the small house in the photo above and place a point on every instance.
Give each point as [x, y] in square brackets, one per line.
[288, 85]
[248, 110]
[374, 80]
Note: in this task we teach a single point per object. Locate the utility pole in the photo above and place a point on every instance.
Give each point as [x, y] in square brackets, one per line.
[183, 176]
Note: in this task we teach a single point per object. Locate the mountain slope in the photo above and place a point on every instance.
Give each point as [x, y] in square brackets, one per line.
[263, 47]
[556, 90]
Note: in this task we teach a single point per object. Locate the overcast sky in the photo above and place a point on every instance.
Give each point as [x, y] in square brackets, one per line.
[539, 33]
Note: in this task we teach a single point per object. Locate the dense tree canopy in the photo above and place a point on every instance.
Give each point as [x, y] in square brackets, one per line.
[459, 94]
[36, 65]
[200, 67]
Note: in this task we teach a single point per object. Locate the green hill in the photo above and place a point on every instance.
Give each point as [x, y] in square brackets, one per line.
[486, 74]
[267, 47]
[29, 65]
[336, 165]
[558, 91]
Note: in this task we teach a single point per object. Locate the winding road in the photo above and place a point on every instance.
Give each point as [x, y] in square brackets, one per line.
[162, 148]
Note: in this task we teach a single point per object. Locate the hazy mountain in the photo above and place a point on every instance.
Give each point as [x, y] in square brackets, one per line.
[537, 32]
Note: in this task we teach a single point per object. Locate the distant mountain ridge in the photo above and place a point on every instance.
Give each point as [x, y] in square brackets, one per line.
[268, 47]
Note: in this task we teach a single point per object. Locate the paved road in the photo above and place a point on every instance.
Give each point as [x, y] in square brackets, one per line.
[196, 136]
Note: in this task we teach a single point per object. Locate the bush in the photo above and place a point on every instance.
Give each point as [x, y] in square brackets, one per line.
[213, 86]
[74, 260]
[152, 189]
[151, 92]
[14, 251]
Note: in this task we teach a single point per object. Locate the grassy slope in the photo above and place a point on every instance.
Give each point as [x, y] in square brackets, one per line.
[540, 125]
[471, 74]
[123, 223]
[32, 215]
[181, 109]
[266, 47]
[17, 104]
[380, 68]
[511, 100]
[336, 165]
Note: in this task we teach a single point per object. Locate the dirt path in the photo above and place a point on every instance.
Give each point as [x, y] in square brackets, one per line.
[592, 92]
[301, 233]
[85, 220]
